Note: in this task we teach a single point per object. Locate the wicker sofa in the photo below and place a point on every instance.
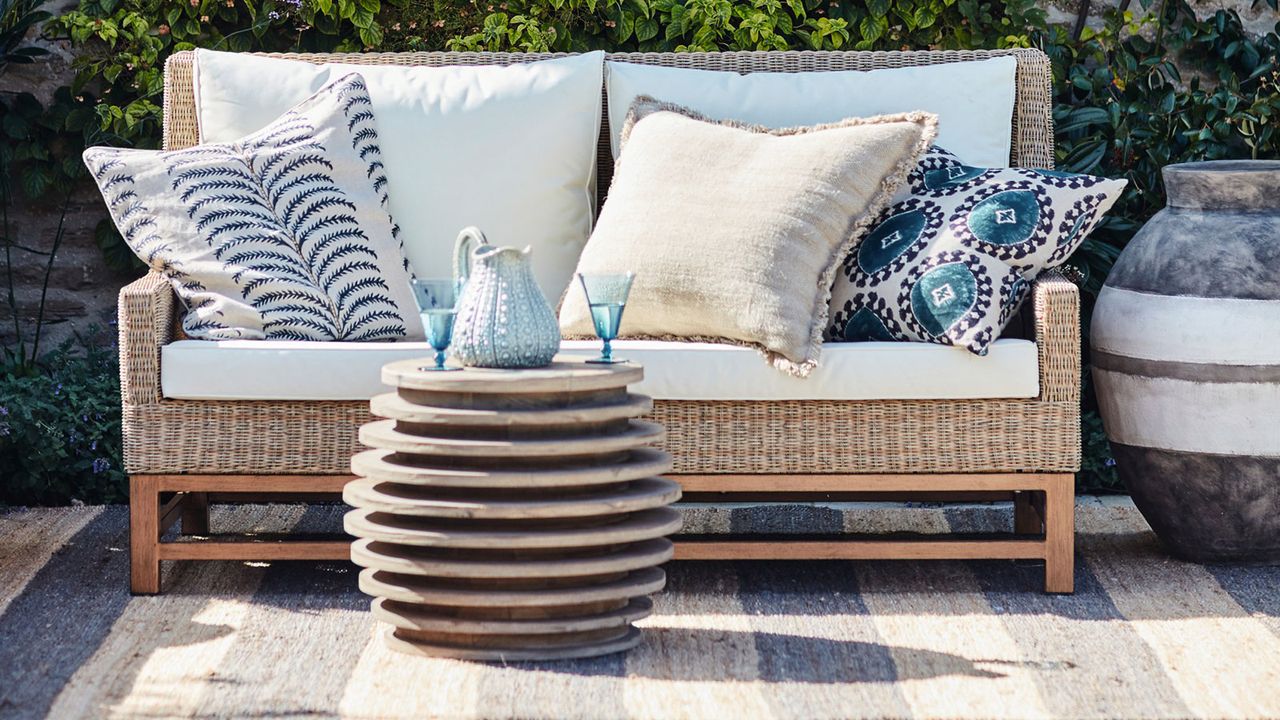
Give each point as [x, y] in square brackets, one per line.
[183, 454]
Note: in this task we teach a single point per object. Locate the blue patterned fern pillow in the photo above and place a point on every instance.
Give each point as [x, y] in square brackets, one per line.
[952, 259]
[281, 235]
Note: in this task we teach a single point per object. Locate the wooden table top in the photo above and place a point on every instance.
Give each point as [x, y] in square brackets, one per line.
[564, 374]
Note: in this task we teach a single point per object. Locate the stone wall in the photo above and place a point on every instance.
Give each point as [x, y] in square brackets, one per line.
[82, 291]
[1257, 17]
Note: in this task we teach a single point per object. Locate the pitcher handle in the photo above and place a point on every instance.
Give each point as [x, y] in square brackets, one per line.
[468, 240]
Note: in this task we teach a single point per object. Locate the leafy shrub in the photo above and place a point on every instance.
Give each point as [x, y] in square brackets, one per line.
[124, 44]
[60, 428]
[708, 25]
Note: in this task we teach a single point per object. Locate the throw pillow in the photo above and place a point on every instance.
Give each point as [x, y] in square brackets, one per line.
[735, 231]
[952, 260]
[510, 149]
[283, 234]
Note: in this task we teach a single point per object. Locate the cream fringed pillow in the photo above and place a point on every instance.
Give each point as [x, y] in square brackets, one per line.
[735, 231]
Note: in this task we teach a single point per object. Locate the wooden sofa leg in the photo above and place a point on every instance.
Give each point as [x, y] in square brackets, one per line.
[144, 535]
[1060, 534]
[195, 514]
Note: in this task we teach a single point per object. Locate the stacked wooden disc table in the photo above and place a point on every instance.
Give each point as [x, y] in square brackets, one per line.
[511, 514]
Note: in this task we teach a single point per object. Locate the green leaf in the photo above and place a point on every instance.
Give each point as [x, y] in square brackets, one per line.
[371, 36]
[872, 28]
[16, 127]
[1083, 118]
[35, 180]
[362, 19]
[646, 29]
[626, 27]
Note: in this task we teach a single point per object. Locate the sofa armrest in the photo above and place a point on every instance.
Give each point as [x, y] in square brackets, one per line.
[146, 324]
[1057, 323]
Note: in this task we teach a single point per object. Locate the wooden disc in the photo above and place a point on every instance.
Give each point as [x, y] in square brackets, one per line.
[566, 374]
[381, 465]
[391, 405]
[430, 591]
[406, 560]
[383, 434]
[585, 650]
[384, 497]
[430, 532]
[418, 617]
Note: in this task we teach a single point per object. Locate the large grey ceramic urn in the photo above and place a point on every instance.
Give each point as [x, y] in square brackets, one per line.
[1186, 357]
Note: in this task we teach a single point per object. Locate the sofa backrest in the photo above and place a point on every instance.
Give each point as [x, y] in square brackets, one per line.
[1032, 114]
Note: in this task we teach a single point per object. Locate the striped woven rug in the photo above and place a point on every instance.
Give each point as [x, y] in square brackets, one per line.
[1144, 636]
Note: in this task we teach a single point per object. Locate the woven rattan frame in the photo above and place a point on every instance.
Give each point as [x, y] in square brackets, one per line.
[943, 436]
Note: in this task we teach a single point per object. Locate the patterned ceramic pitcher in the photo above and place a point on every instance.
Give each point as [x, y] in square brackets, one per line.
[504, 321]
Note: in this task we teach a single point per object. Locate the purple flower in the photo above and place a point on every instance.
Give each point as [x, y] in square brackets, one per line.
[295, 3]
[3, 411]
[4, 429]
[100, 465]
[1109, 462]
[273, 15]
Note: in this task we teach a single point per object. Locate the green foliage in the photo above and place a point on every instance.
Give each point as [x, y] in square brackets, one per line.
[125, 43]
[60, 428]
[42, 143]
[17, 19]
[708, 25]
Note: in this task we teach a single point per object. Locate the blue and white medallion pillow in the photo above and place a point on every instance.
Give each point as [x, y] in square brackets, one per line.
[283, 234]
[952, 259]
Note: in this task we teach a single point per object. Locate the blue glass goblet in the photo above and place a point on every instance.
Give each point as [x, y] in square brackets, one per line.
[437, 300]
[607, 298]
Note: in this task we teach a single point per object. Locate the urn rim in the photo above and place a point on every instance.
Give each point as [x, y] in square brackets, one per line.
[1226, 185]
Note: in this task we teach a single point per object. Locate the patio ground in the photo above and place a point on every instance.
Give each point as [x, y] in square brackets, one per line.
[1144, 636]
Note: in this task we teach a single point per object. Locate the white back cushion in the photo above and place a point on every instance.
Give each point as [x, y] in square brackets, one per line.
[973, 100]
[510, 149]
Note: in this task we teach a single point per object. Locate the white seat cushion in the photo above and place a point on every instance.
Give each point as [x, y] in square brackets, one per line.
[272, 370]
